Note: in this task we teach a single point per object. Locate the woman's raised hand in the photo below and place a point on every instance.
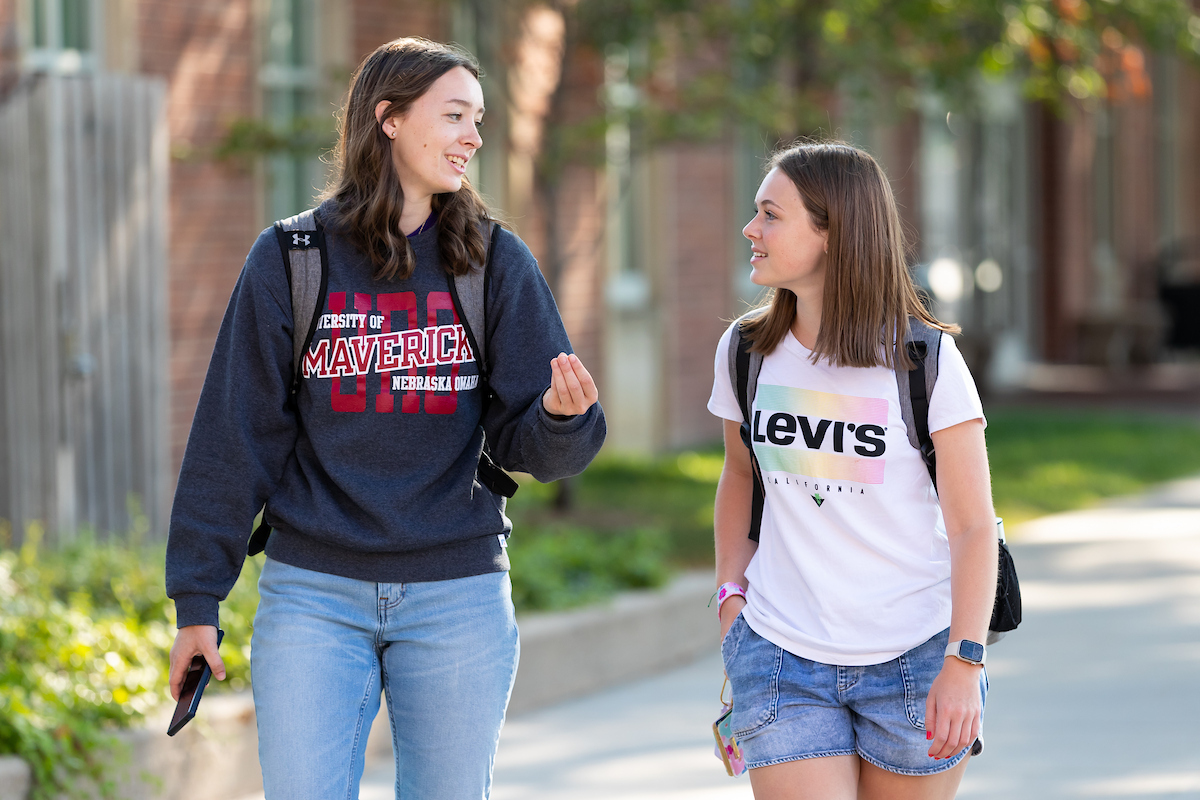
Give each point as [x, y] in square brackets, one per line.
[572, 390]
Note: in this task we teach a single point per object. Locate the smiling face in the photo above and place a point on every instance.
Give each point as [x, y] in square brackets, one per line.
[787, 249]
[436, 137]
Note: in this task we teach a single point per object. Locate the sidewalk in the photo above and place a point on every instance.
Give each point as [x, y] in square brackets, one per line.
[1096, 696]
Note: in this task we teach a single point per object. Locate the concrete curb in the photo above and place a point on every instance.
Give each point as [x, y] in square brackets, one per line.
[574, 653]
[568, 654]
[15, 778]
[563, 655]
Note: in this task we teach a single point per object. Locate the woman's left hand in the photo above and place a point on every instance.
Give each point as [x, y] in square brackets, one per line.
[954, 708]
[572, 390]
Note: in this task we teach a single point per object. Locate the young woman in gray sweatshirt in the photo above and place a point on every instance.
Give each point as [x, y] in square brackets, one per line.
[386, 568]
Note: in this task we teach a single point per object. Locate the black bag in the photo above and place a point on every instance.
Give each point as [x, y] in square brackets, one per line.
[1006, 611]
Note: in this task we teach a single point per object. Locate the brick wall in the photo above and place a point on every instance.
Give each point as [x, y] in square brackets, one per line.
[580, 219]
[572, 254]
[1187, 151]
[379, 21]
[1136, 201]
[696, 285]
[205, 50]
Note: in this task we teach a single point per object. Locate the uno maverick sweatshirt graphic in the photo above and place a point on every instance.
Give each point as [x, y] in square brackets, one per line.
[371, 475]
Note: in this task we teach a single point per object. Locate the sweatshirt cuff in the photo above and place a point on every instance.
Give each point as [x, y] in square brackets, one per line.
[563, 424]
[196, 609]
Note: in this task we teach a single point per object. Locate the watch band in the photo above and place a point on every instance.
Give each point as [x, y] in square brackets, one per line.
[968, 651]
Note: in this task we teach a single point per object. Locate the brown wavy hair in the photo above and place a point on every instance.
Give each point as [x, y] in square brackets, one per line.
[365, 188]
[869, 294]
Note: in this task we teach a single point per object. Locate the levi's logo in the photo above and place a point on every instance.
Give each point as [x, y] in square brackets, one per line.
[820, 434]
[781, 429]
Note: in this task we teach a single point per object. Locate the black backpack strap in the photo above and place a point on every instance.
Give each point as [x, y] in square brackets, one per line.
[302, 243]
[745, 366]
[923, 345]
[469, 293]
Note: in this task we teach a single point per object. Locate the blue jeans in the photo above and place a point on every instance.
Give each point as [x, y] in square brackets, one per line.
[324, 646]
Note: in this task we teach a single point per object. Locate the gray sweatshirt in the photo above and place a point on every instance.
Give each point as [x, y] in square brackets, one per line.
[370, 473]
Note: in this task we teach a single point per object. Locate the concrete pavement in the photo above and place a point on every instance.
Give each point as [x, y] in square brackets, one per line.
[1096, 696]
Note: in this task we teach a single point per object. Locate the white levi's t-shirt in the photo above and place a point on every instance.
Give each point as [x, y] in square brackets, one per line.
[853, 564]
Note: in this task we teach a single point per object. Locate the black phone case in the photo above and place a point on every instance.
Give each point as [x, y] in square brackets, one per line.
[178, 720]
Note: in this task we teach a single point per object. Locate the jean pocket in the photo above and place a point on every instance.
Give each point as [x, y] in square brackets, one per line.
[755, 680]
[914, 697]
[729, 641]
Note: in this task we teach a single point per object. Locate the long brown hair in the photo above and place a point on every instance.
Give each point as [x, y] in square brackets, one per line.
[365, 186]
[869, 293]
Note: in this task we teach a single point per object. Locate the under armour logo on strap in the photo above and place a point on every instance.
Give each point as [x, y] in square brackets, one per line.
[299, 240]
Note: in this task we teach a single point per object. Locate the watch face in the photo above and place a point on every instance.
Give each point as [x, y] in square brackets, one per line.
[971, 651]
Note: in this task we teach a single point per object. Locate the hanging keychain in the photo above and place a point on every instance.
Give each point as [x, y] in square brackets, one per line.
[726, 747]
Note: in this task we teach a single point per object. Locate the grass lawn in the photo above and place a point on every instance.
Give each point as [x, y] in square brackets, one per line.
[1046, 461]
[1042, 461]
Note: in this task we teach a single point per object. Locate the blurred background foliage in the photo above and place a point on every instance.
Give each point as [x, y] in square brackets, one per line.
[792, 55]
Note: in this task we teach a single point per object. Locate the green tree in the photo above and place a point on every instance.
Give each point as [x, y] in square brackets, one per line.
[778, 63]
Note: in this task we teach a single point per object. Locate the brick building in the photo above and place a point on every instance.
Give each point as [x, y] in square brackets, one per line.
[1041, 234]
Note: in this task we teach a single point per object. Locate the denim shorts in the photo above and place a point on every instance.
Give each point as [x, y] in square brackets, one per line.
[786, 708]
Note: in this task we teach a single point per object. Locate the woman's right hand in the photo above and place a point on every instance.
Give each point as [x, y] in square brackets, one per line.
[572, 391]
[729, 611]
[192, 641]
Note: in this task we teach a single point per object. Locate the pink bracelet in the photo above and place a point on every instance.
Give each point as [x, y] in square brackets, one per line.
[727, 590]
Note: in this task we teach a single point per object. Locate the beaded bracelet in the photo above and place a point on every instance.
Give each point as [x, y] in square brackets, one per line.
[727, 590]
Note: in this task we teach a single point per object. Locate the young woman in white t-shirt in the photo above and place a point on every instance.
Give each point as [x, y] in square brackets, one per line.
[852, 654]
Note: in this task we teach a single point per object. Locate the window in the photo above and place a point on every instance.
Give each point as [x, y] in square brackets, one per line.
[62, 35]
[291, 81]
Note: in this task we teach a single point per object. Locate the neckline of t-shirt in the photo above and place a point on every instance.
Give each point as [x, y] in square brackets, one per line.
[790, 342]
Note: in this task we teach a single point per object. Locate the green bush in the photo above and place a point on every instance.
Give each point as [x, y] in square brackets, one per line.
[671, 495]
[73, 672]
[559, 567]
[85, 633]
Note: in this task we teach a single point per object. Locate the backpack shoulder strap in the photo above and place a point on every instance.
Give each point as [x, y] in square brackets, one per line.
[744, 367]
[469, 293]
[302, 242]
[915, 386]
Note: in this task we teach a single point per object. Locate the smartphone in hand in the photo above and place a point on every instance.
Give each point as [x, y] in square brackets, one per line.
[194, 682]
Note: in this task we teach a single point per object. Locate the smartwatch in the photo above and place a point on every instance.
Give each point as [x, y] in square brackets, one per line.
[968, 651]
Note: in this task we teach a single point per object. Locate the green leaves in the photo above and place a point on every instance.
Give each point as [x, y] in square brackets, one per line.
[248, 138]
[562, 566]
[85, 633]
[69, 678]
[776, 64]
